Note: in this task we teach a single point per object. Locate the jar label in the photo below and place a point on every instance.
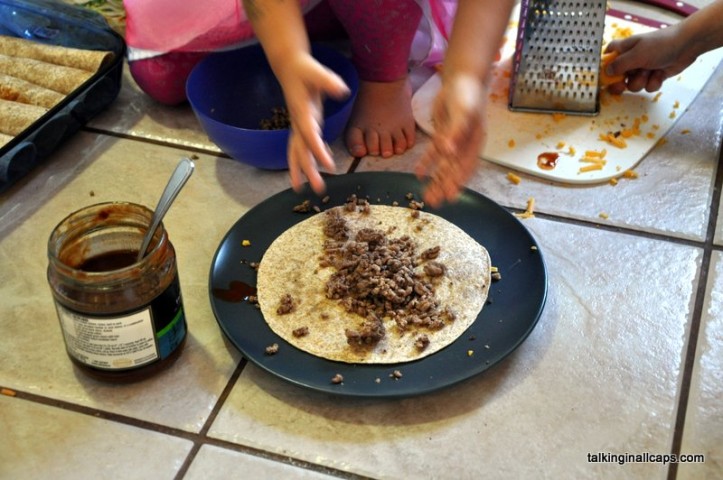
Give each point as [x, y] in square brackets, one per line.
[126, 341]
[110, 343]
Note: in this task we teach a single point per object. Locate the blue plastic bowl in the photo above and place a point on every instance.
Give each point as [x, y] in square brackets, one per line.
[231, 92]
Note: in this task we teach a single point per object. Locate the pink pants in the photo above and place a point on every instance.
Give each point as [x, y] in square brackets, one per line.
[380, 34]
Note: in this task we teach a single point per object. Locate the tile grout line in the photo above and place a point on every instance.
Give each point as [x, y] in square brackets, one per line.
[161, 143]
[210, 419]
[696, 319]
[196, 438]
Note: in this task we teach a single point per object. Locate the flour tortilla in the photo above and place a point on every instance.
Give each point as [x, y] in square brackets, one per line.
[60, 78]
[291, 266]
[88, 60]
[34, 77]
[16, 117]
[5, 139]
[18, 90]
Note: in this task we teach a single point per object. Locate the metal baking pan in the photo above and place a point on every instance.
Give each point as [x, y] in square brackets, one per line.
[57, 23]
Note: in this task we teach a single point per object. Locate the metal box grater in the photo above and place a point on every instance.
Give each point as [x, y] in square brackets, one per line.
[557, 57]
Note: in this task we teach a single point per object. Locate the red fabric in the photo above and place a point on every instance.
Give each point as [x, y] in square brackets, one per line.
[164, 77]
[381, 34]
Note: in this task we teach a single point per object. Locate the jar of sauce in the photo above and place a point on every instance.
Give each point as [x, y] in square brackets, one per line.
[121, 319]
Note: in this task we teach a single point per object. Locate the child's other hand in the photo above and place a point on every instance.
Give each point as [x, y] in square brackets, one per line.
[459, 133]
[647, 60]
[305, 83]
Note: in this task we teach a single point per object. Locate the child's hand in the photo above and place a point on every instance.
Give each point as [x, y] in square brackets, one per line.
[459, 133]
[647, 60]
[305, 83]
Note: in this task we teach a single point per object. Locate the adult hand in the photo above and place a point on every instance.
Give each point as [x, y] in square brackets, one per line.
[648, 59]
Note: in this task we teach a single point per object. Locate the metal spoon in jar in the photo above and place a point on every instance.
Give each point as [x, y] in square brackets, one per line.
[180, 176]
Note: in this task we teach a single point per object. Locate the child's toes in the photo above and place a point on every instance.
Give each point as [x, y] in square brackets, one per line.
[355, 142]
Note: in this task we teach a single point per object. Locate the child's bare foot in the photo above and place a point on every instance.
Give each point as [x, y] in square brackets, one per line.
[382, 122]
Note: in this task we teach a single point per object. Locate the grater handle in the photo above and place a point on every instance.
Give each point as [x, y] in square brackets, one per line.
[681, 8]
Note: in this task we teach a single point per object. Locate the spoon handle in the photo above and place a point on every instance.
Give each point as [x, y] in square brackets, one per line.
[180, 176]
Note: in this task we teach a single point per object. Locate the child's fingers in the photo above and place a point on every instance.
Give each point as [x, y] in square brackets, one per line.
[330, 83]
[295, 175]
[310, 136]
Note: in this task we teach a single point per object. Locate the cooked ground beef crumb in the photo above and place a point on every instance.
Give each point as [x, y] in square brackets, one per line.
[337, 379]
[301, 331]
[335, 227]
[416, 205]
[279, 120]
[396, 374]
[303, 207]
[421, 342]
[369, 332]
[286, 305]
[434, 269]
[272, 349]
[430, 253]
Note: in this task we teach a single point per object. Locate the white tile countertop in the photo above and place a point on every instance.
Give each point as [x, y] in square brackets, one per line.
[626, 358]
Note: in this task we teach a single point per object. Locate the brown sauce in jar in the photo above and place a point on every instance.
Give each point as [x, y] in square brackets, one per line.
[109, 261]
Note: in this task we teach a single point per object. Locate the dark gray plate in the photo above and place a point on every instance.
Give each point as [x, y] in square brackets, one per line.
[514, 306]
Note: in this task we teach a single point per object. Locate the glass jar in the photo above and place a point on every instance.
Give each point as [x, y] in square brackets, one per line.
[121, 320]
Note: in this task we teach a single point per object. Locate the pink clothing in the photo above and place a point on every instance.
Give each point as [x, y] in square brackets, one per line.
[166, 38]
[380, 34]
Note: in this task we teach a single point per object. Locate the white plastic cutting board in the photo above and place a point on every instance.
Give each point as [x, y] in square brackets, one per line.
[516, 139]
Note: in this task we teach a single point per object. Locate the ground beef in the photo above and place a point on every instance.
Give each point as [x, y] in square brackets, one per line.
[335, 226]
[286, 305]
[370, 332]
[375, 278]
[430, 253]
[272, 349]
[421, 342]
[434, 269]
[279, 120]
[303, 207]
[300, 332]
